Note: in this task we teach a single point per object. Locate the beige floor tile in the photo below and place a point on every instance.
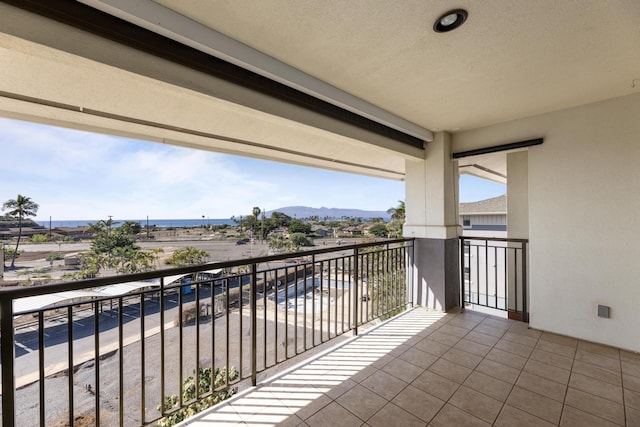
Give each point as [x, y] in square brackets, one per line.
[598, 360]
[515, 348]
[466, 321]
[392, 415]
[481, 338]
[332, 412]
[632, 399]
[444, 338]
[510, 417]
[454, 330]
[629, 356]
[630, 368]
[535, 404]
[489, 330]
[542, 386]
[477, 404]
[384, 384]
[633, 417]
[559, 339]
[497, 323]
[597, 387]
[547, 371]
[488, 385]
[450, 370]
[498, 370]
[598, 406]
[473, 347]
[593, 371]
[436, 385]
[601, 349]
[520, 339]
[452, 416]
[552, 359]
[338, 390]
[462, 358]
[430, 346]
[572, 417]
[555, 348]
[404, 370]
[522, 328]
[307, 410]
[631, 382]
[362, 402]
[418, 358]
[506, 358]
[418, 403]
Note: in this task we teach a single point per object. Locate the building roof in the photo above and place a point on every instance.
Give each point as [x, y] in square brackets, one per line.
[494, 205]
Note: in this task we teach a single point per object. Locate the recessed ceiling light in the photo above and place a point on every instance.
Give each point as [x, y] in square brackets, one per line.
[450, 20]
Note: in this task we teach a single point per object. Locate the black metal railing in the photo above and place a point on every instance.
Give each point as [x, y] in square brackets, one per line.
[494, 274]
[109, 350]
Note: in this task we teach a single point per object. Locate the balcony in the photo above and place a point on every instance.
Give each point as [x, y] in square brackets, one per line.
[447, 369]
[110, 351]
[318, 339]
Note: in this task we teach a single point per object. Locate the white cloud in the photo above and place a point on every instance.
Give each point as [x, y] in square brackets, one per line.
[81, 175]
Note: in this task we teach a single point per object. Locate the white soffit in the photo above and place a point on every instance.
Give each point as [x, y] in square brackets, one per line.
[164, 21]
[511, 59]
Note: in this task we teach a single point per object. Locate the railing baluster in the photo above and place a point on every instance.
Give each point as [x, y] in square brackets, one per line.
[120, 362]
[70, 361]
[254, 323]
[143, 396]
[356, 273]
[41, 344]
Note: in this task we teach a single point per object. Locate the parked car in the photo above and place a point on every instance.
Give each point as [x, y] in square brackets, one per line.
[243, 241]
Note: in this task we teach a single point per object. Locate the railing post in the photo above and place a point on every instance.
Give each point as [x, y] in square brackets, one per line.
[462, 272]
[525, 311]
[8, 379]
[356, 274]
[254, 323]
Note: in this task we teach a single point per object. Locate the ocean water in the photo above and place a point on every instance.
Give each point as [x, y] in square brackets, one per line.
[161, 223]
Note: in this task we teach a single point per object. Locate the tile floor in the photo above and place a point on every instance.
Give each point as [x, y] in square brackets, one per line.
[426, 368]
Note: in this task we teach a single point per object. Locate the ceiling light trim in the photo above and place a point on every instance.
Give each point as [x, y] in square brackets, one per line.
[157, 18]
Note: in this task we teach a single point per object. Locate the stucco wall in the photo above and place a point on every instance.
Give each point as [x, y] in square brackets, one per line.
[584, 217]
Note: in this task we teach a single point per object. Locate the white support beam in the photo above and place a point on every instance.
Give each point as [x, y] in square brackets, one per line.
[159, 19]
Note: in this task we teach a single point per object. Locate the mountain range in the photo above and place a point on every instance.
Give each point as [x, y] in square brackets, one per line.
[330, 213]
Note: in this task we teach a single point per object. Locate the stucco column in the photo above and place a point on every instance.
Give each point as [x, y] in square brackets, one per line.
[517, 227]
[432, 218]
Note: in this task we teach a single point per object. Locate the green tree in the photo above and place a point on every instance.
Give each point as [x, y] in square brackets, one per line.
[397, 219]
[114, 242]
[300, 239]
[188, 256]
[280, 219]
[298, 226]
[21, 208]
[379, 230]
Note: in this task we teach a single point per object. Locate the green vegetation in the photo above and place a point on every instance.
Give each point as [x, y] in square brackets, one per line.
[21, 208]
[205, 380]
[188, 256]
[55, 256]
[40, 238]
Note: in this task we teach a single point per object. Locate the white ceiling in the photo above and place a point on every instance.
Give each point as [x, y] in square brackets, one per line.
[511, 59]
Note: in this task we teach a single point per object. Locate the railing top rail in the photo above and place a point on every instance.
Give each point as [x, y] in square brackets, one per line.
[13, 293]
[494, 239]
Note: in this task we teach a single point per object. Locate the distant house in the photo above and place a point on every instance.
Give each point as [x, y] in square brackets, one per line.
[486, 218]
[321, 231]
[81, 232]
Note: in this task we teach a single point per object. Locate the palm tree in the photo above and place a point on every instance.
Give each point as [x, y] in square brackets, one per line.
[397, 219]
[20, 208]
[397, 213]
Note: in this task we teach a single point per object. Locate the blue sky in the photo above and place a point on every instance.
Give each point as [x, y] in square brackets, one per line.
[80, 175]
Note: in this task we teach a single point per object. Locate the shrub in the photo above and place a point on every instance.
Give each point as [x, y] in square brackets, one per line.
[205, 381]
[55, 256]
